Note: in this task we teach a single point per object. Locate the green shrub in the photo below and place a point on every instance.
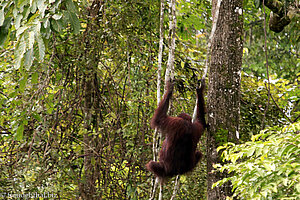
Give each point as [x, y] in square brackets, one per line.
[268, 167]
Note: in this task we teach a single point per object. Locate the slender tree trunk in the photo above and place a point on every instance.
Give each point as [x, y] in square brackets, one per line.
[224, 88]
[169, 75]
[156, 139]
[88, 187]
[172, 32]
[89, 175]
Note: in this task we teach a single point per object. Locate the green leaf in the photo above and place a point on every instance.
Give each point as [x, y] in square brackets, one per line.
[19, 133]
[34, 78]
[75, 24]
[250, 152]
[41, 46]
[285, 150]
[18, 21]
[71, 6]
[33, 7]
[93, 161]
[298, 187]
[19, 52]
[56, 26]
[22, 83]
[30, 39]
[220, 148]
[57, 16]
[20, 31]
[46, 23]
[50, 110]
[28, 59]
[58, 76]
[269, 166]
[42, 7]
[21, 3]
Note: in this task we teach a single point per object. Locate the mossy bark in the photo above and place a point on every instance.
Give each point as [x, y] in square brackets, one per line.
[224, 88]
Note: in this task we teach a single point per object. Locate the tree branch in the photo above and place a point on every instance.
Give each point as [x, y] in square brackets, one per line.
[281, 15]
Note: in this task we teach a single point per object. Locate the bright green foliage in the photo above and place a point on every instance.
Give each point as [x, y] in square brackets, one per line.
[266, 167]
[26, 27]
[32, 22]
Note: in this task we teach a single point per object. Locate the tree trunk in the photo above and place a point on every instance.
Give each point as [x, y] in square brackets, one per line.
[88, 189]
[89, 175]
[224, 88]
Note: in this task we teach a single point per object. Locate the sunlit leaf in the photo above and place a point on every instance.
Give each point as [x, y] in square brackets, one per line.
[57, 16]
[41, 46]
[41, 6]
[28, 59]
[1, 17]
[30, 39]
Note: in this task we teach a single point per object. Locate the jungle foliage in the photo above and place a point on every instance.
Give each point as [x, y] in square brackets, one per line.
[78, 86]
